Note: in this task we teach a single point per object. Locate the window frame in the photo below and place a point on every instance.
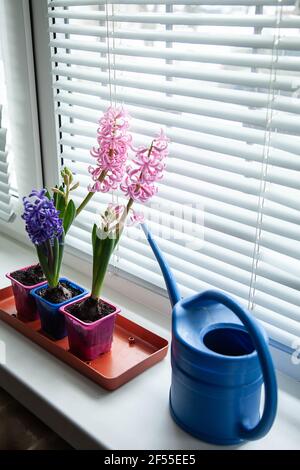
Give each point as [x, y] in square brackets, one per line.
[140, 292]
[19, 62]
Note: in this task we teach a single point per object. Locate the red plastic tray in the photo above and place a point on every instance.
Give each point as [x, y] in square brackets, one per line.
[126, 359]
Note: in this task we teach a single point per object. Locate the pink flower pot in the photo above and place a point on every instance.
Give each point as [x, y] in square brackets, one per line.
[25, 303]
[89, 340]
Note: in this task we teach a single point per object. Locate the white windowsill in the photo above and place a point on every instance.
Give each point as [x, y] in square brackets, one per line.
[136, 416]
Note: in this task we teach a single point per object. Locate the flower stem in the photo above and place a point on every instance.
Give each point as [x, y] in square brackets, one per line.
[50, 256]
[120, 226]
[67, 195]
[47, 261]
[101, 256]
[89, 195]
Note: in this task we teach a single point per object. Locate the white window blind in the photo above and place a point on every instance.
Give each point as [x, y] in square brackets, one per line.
[6, 211]
[222, 77]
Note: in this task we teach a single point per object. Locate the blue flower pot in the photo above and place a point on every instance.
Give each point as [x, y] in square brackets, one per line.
[52, 320]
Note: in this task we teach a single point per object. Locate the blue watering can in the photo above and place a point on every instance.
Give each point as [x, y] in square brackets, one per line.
[220, 358]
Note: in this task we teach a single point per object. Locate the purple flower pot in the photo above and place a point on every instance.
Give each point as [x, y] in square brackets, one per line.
[25, 304]
[89, 340]
[52, 321]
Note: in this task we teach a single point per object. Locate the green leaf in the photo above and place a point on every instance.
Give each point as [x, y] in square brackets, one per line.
[60, 202]
[56, 258]
[43, 260]
[101, 261]
[69, 215]
[55, 195]
[97, 249]
[94, 234]
[48, 195]
[60, 254]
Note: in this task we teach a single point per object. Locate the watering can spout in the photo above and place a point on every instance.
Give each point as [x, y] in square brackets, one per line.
[170, 281]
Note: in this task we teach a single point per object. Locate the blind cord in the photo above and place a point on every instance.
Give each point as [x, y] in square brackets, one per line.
[111, 62]
[108, 53]
[265, 157]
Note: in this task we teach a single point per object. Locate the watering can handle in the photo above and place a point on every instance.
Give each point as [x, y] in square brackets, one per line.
[266, 363]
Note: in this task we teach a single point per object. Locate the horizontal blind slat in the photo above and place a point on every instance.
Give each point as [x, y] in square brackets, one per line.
[275, 194]
[268, 302]
[4, 177]
[262, 21]
[2, 139]
[268, 273]
[180, 141]
[3, 166]
[249, 79]
[206, 265]
[193, 272]
[184, 239]
[4, 188]
[232, 286]
[213, 57]
[247, 98]
[68, 3]
[279, 141]
[258, 41]
[212, 233]
[242, 223]
[186, 194]
[5, 210]
[4, 196]
[3, 157]
[228, 113]
[203, 167]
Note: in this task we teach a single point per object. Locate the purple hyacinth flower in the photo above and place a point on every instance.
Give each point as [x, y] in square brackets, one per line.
[42, 222]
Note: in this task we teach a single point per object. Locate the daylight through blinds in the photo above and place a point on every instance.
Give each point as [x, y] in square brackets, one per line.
[223, 79]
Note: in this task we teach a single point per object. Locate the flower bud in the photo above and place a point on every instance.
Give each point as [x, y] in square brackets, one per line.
[75, 186]
[69, 173]
[58, 191]
[66, 180]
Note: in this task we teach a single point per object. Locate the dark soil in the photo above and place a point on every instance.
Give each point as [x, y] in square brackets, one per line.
[90, 310]
[29, 277]
[64, 291]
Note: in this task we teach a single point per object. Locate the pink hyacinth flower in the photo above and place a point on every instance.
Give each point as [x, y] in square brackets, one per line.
[111, 217]
[111, 154]
[149, 164]
[136, 218]
[117, 209]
